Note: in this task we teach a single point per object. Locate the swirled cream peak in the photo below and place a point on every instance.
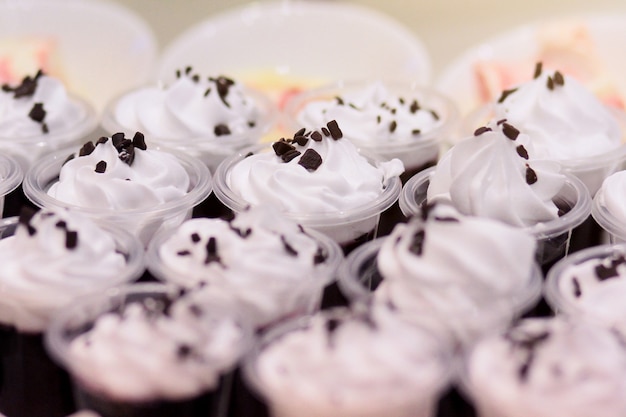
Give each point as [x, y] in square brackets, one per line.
[38, 106]
[563, 118]
[192, 106]
[548, 367]
[120, 174]
[373, 114]
[156, 350]
[260, 261]
[353, 363]
[53, 258]
[315, 171]
[612, 196]
[494, 174]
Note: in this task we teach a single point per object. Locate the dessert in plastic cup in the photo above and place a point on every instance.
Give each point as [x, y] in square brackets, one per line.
[11, 176]
[566, 123]
[262, 263]
[146, 350]
[547, 367]
[123, 182]
[349, 362]
[50, 261]
[208, 117]
[391, 120]
[591, 284]
[609, 207]
[470, 276]
[39, 116]
[316, 178]
[492, 174]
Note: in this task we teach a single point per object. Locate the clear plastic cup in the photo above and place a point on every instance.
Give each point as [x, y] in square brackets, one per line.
[92, 390]
[210, 149]
[553, 237]
[303, 297]
[605, 308]
[349, 228]
[416, 152]
[31, 383]
[421, 403]
[142, 222]
[612, 224]
[11, 176]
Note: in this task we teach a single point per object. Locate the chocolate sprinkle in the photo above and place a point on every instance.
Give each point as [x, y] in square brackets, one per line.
[290, 155]
[538, 70]
[558, 79]
[521, 151]
[606, 272]
[393, 126]
[184, 252]
[317, 136]
[211, 252]
[37, 113]
[288, 248]
[335, 132]
[101, 167]
[86, 149]
[223, 85]
[577, 291]
[499, 122]
[414, 106]
[509, 131]
[531, 175]
[550, 83]
[417, 243]
[311, 160]
[221, 130]
[71, 239]
[505, 94]
[195, 238]
[326, 132]
[416, 131]
[481, 130]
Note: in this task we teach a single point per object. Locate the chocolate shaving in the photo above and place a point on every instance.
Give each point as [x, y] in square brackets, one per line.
[300, 132]
[577, 290]
[86, 149]
[505, 94]
[499, 122]
[301, 140]
[558, 79]
[223, 85]
[101, 167]
[221, 130]
[416, 131]
[26, 89]
[317, 136]
[531, 175]
[127, 155]
[334, 130]
[211, 252]
[521, 151]
[184, 252]
[417, 242]
[550, 83]
[481, 130]
[288, 248]
[320, 256]
[290, 155]
[69, 158]
[37, 113]
[311, 160]
[139, 141]
[339, 101]
[414, 107]
[26, 215]
[195, 238]
[332, 325]
[282, 147]
[117, 139]
[393, 126]
[604, 272]
[538, 70]
[61, 224]
[101, 140]
[71, 239]
[509, 131]
[244, 234]
[435, 114]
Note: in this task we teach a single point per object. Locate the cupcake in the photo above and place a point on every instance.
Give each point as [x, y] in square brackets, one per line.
[548, 367]
[121, 181]
[208, 117]
[391, 120]
[591, 284]
[261, 262]
[463, 276]
[494, 174]
[345, 362]
[317, 178]
[50, 260]
[146, 350]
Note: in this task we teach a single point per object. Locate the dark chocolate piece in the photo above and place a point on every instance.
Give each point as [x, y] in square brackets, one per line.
[37, 113]
[414, 107]
[311, 160]
[334, 130]
[71, 239]
[505, 94]
[316, 136]
[282, 147]
[550, 84]
[223, 85]
[325, 131]
[320, 256]
[139, 141]
[221, 130]
[101, 167]
[416, 131]
[183, 252]
[301, 140]
[101, 140]
[393, 126]
[558, 79]
[604, 272]
[531, 175]
[538, 70]
[510, 131]
[521, 151]
[577, 290]
[211, 252]
[290, 155]
[195, 238]
[417, 243]
[481, 130]
[288, 248]
[86, 149]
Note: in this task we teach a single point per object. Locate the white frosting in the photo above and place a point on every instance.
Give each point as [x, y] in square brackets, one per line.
[40, 274]
[345, 180]
[143, 354]
[154, 177]
[549, 367]
[485, 175]
[597, 287]
[467, 274]
[352, 365]
[189, 108]
[263, 263]
[565, 122]
[612, 197]
[372, 115]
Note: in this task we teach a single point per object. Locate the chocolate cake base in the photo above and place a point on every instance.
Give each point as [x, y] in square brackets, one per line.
[31, 384]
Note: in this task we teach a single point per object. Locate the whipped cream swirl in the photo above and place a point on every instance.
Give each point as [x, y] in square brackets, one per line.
[352, 363]
[548, 367]
[612, 200]
[494, 174]
[312, 173]
[156, 349]
[260, 261]
[120, 174]
[563, 118]
[53, 259]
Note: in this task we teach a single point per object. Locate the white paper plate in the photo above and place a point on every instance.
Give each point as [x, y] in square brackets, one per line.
[599, 41]
[286, 45]
[98, 48]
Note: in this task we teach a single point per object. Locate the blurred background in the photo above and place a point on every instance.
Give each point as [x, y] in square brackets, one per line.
[447, 27]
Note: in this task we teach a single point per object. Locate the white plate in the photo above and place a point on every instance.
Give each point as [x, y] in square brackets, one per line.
[98, 48]
[598, 55]
[290, 45]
